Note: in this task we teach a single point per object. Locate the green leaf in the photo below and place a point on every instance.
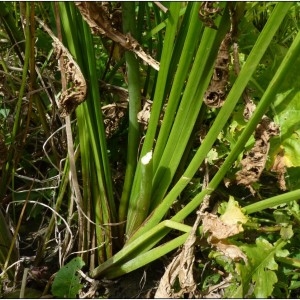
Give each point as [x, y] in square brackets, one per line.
[287, 110]
[66, 283]
[265, 280]
[286, 233]
[259, 271]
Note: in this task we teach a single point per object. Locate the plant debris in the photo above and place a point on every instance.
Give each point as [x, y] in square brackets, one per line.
[75, 94]
[279, 166]
[255, 160]
[144, 115]
[113, 116]
[217, 90]
[98, 19]
[220, 228]
[208, 12]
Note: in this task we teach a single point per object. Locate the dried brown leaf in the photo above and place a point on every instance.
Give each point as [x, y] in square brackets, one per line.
[217, 90]
[113, 116]
[75, 94]
[209, 10]
[279, 166]
[254, 161]
[217, 228]
[97, 18]
[181, 267]
[220, 228]
[229, 250]
[144, 115]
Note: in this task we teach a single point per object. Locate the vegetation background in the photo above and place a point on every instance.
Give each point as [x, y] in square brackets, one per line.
[152, 136]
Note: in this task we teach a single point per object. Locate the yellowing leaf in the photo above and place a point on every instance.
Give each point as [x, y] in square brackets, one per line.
[234, 215]
[287, 108]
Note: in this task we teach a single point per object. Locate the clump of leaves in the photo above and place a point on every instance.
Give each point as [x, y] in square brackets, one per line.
[258, 276]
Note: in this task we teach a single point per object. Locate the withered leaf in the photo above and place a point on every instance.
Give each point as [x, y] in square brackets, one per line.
[208, 12]
[181, 267]
[279, 166]
[216, 228]
[97, 18]
[254, 161]
[75, 94]
[217, 90]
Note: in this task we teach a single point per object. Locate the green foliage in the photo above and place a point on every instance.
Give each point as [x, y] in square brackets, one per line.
[258, 275]
[134, 212]
[66, 283]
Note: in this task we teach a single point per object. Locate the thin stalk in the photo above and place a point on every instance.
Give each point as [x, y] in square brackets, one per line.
[147, 257]
[235, 93]
[184, 25]
[8, 250]
[188, 110]
[70, 146]
[271, 202]
[159, 94]
[162, 76]
[134, 249]
[7, 169]
[138, 214]
[89, 113]
[186, 57]
[263, 105]
[59, 200]
[14, 32]
[159, 37]
[134, 90]
[97, 135]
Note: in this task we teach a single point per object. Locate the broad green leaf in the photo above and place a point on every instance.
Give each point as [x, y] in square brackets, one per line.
[265, 280]
[259, 271]
[287, 108]
[66, 283]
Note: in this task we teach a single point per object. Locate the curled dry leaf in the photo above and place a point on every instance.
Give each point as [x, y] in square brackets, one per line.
[219, 229]
[113, 115]
[249, 108]
[97, 17]
[181, 267]
[229, 250]
[217, 90]
[209, 10]
[144, 115]
[75, 94]
[255, 160]
[279, 166]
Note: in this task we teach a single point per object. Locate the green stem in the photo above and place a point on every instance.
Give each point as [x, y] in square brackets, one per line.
[271, 202]
[159, 91]
[137, 214]
[134, 90]
[7, 170]
[263, 105]
[235, 93]
[189, 108]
